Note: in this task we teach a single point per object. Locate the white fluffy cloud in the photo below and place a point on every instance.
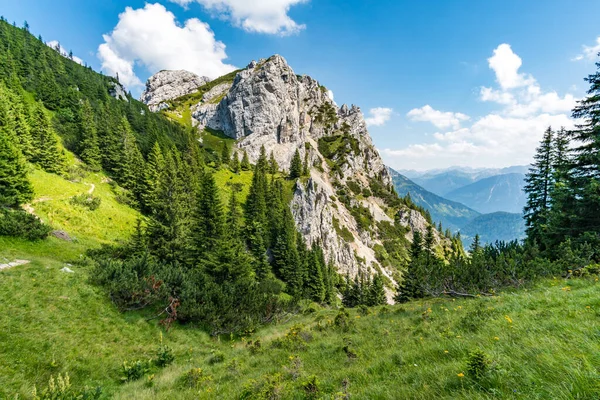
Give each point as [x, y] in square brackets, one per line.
[588, 52]
[507, 136]
[151, 37]
[438, 118]
[505, 63]
[264, 16]
[378, 116]
[63, 52]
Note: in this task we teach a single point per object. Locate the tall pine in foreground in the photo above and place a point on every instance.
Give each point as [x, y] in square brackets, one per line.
[90, 150]
[586, 172]
[15, 189]
[538, 185]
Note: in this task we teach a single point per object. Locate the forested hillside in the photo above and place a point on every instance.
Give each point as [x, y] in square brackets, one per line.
[199, 252]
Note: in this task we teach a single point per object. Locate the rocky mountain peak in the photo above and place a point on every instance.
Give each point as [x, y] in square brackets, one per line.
[168, 85]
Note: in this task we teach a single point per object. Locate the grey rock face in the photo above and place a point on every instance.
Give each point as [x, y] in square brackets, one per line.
[168, 85]
[117, 91]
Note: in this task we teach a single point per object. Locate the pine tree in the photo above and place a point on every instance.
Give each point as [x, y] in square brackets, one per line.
[49, 155]
[15, 189]
[235, 163]
[90, 150]
[154, 167]
[539, 182]
[296, 166]
[315, 276]
[256, 203]
[586, 171]
[208, 228]
[167, 226]
[245, 163]
[225, 154]
[411, 286]
[376, 295]
[305, 169]
[273, 166]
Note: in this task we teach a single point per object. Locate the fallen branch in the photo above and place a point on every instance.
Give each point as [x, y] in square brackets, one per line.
[458, 294]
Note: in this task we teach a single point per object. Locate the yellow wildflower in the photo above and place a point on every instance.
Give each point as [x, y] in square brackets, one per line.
[510, 321]
[460, 375]
[496, 338]
[445, 351]
[566, 289]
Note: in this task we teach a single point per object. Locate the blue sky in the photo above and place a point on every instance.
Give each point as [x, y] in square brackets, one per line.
[469, 83]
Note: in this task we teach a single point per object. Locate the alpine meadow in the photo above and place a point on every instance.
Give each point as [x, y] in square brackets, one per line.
[240, 235]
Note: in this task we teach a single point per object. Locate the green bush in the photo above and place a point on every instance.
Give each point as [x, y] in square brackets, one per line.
[311, 388]
[18, 223]
[342, 320]
[477, 365]
[132, 371]
[216, 358]
[164, 356]
[86, 200]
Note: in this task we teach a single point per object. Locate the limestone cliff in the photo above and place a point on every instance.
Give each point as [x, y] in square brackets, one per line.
[347, 203]
[167, 85]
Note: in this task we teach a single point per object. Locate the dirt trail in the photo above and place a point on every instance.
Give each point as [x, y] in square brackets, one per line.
[92, 188]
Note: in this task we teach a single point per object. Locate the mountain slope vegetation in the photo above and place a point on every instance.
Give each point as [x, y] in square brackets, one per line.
[158, 260]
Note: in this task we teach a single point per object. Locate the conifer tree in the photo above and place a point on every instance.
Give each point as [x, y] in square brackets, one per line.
[15, 189]
[154, 167]
[315, 282]
[411, 285]
[273, 166]
[586, 168]
[539, 182]
[90, 150]
[167, 227]
[245, 164]
[235, 163]
[208, 228]
[225, 154]
[48, 155]
[305, 169]
[296, 166]
[256, 203]
[377, 291]
[285, 255]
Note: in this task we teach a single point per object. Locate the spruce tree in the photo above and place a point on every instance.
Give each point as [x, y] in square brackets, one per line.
[285, 255]
[15, 189]
[411, 286]
[377, 291]
[235, 163]
[315, 282]
[273, 166]
[256, 203]
[154, 167]
[225, 154]
[245, 163]
[296, 166]
[89, 148]
[208, 228]
[586, 171]
[305, 169]
[49, 155]
[538, 185]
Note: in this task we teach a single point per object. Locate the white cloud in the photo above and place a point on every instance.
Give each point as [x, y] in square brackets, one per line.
[588, 52]
[63, 52]
[151, 37]
[379, 116]
[506, 136]
[264, 16]
[505, 63]
[438, 118]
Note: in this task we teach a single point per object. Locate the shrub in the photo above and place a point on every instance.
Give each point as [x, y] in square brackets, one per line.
[164, 356]
[86, 200]
[363, 310]
[311, 387]
[343, 321]
[132, 371]
[193, 378]
[272, 387]
[216, 358]
[477, 365]
[18, 223]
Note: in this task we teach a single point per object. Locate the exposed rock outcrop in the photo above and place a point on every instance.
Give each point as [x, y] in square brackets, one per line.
[268, 105]
[168, 85]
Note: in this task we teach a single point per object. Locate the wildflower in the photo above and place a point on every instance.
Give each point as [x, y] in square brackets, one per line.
[358, 316]
[429, 310]
[496, 338]
[445, 351]
[460, 307]
[566, 289]
[460, 375]
[458, 337]
[588, 307]
[506, 317]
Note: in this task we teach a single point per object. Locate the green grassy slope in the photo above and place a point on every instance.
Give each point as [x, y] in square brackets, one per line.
[543, 343]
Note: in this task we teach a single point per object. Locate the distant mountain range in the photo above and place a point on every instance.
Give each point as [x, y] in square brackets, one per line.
[496, 193]
[451, 214]
[487, 202]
